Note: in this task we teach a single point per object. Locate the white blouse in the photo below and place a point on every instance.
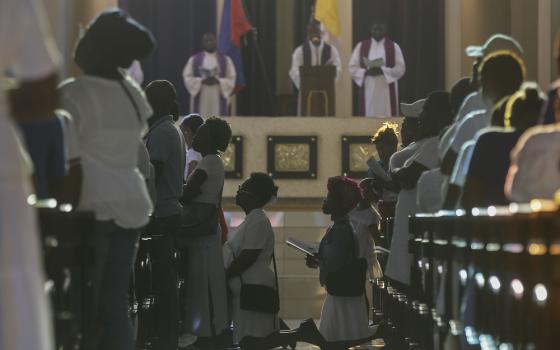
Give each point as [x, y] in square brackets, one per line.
[108, 129]
[211, 189]
[255, 232]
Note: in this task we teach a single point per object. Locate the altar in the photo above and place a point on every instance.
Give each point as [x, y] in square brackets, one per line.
[301, 153]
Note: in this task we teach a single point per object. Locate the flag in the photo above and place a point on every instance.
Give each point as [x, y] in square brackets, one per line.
[233, 26]
[326, 12]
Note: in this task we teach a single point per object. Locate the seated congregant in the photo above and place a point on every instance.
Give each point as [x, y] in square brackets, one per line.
[436, 114]
[476, 110]
[490, 160]
[534, 169]
[386, 141]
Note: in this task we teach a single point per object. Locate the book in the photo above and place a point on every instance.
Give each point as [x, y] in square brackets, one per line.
[376, 63]
[208, 73]
[304, 247]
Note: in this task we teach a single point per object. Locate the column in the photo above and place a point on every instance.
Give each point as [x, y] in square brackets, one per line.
[453, 42]
[344, 84]
[545, 40]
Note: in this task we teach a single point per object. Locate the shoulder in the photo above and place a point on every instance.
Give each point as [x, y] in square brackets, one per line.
[341, 229]
[71, 85]
[540, 137]
[471, 121]
[211, 160]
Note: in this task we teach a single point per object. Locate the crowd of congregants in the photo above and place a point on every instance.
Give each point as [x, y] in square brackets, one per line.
[125, 154]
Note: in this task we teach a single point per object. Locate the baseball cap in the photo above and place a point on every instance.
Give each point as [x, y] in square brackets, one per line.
[497, 42]
[412, 110]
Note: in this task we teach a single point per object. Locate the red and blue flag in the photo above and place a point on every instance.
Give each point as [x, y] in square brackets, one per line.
[234, 25]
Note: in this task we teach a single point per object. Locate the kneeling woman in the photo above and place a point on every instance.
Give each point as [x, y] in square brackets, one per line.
[253, 285]
[344, 318]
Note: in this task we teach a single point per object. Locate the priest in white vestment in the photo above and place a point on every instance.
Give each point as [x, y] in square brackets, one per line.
[209, 77]
[376, 66]
[314, 52]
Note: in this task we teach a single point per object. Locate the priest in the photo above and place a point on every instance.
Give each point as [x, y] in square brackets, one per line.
[314, 52]
[209, 77]
[376, 66]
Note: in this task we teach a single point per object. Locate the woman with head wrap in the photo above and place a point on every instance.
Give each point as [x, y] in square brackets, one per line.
[344, 318]
[109, 115]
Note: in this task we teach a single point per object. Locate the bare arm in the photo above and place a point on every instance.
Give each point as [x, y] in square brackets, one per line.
[192, 188]
[242, 262]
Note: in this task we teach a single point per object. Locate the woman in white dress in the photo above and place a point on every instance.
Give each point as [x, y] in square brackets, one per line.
[344, 318]
[206, 299]
[247, 256]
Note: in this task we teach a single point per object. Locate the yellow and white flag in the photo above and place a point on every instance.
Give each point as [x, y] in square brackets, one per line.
[326, 12]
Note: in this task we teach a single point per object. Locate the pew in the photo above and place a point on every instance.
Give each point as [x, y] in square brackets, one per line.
[69, 258]
[488, 278]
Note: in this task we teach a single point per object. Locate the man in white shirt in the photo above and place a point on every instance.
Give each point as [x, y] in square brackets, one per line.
[314, 52]
[209, 77]
[376, 66]
[30, 56]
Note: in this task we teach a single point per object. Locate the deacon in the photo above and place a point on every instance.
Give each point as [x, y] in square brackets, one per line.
[209, 77]
[376, 66]
[314, 52]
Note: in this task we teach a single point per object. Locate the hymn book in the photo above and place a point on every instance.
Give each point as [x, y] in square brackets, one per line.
[307, 248]
[376, 63]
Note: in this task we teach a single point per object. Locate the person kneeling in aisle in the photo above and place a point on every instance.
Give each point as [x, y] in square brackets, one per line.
[344, 318]
[254, 297]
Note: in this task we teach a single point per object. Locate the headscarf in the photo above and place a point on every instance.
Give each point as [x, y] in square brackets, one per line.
[113, 39]
[345, 191]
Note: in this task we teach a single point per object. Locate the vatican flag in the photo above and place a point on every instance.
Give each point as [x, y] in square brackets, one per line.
[326, 12]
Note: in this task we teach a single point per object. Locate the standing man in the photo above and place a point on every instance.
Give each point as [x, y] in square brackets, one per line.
[167, 154]
[209, 77]
[314, 52]
[376, 66]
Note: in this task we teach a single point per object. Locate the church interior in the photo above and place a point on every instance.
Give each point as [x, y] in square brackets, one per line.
[369, 117]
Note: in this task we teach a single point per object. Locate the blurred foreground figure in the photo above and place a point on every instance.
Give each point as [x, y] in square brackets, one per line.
[29, 57]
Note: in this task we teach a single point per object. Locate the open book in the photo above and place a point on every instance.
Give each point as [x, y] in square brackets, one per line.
[208, 73]
[304, 247]
[376, 63]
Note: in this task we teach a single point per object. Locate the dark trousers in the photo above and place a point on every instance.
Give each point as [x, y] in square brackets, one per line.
[164, 278]
[116, 250]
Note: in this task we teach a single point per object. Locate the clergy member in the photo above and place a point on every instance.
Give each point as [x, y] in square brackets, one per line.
[314, 52]
[209, 78]
[376, 66]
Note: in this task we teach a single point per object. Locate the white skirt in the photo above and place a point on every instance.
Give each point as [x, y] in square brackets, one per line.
[206, 296]
[251, 323]
[344, 319]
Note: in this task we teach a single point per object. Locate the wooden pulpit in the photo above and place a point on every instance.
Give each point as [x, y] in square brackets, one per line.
[317, 96]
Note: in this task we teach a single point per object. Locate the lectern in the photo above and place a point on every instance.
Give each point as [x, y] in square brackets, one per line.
[317, 96]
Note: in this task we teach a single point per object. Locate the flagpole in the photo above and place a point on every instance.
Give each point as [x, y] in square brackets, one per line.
[260, 59]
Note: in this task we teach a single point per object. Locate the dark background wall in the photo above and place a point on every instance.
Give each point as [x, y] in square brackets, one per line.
[417, 26]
